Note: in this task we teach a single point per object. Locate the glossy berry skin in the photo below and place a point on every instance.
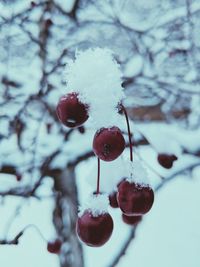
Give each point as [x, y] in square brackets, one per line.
[108, 143]
[54, 246]
[122, 180]
[94, 231]
[131, 220]
[71, 112]
[166, 160]
[113, 199]
[134, 199]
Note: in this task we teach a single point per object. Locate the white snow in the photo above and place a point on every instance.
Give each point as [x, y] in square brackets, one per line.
[111, 174]
[134, 66]
[67, 6]
[170, 139]
[96, 204]
[115, 171]
[96, 77]
[135, 171]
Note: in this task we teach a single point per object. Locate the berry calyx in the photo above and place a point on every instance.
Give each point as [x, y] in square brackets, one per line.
[134, 199]
[54, 246]
[131, 220]
[71, 112]
[96, 230]
[166, 160]
[113, 199]
[108, 143]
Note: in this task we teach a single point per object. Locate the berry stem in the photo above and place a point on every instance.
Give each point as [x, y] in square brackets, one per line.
[98, 176]
[129, 132]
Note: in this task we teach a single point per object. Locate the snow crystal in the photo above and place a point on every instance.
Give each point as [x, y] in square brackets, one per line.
[96, 77]
[97, 204]
[135, 171]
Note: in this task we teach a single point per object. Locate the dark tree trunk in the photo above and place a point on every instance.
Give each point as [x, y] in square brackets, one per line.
[64, 218]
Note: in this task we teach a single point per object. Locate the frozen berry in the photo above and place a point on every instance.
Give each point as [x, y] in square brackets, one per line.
[122, 180]
[81, 129]
[54, 246]
[113, 199]
[134, 199]
[94, 230]
[71, 112]
[108, 143]
[33, 4]
[131, 220]
[18, 177]
[166, 160]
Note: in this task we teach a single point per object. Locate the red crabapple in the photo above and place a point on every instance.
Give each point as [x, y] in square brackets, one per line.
[131, 220]
[96, 230]
[113, 199]
[54, 246]
[166, 160]
[134, 199]
[71, 112]
[108, 143]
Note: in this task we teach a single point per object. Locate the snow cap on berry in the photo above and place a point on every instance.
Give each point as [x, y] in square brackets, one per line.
[96, 204]
[96, 77]
[135, 171]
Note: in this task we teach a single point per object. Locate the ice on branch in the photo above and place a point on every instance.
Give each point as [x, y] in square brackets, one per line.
[96, 204]
[96, 77]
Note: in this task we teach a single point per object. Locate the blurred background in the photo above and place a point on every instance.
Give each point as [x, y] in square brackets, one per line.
[45, 167]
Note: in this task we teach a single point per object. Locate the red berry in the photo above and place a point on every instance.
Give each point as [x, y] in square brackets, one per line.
[122, 180]
[81, 129]
[71, 112]
[113, 200]
[166, 160]
[33, 4]
[95, 231]
[108, 143]
[131, 220]
[18, 177]
[135, 199]
[54, 246]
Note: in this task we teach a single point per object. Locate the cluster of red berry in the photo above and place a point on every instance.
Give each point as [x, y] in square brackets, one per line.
[134, 199]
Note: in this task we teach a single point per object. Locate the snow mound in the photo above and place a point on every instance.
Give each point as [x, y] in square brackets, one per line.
[111, 174]
[135, 171]
[96, 77]
[96, 204]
